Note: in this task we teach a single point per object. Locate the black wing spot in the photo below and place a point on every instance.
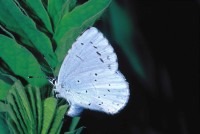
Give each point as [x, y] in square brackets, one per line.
[98, 96]
[86, 91]
[98, 53]
[109, 84]
[82, 43]
[108, 90]
[95, 74]
[104, 95]
[78, 81]
[95, 47]
[109, 67]
[91, 42]
[99, 104]
[95, 80]
[89, 104]
[101, 60]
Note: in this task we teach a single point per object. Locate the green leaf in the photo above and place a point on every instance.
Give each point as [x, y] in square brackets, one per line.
[3, 89]
[77, 131]
[32, 100]
[27, 112]
[73, 23]
[14, 20]
[74, 123]
[19, 106]
[23, 106]
[57, 8]
[25, 102]
[58, 119]
[48, 113]
[3, 124]
[60, 127]
[14, 118]
[122, 31]
[39, 109]
[72, 4]
[20, 61]
[3, 107]
[7, 32]
[12, 126]
[20, 123]
[5, 84]
[39, 10]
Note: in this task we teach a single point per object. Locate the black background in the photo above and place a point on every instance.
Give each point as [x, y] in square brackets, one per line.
[167, 40]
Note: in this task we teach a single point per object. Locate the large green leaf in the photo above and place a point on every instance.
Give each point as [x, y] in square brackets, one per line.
[39, 10]
[16, 21]
[73, 23]
[20, 61]
[58, 8]
[122, 31]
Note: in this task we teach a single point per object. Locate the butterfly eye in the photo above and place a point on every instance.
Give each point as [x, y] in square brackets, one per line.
[53, 81]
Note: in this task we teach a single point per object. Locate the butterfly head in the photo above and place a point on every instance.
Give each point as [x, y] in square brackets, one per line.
[53, 80]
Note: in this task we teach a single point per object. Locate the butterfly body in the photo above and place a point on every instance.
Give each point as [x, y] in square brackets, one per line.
[89, 77]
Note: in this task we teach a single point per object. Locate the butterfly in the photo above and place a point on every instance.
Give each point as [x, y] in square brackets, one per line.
[89, 77]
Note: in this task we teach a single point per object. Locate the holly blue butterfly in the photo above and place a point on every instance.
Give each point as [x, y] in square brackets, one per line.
[89, 77]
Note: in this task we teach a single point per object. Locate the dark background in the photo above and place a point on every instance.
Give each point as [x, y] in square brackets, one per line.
[167, 41]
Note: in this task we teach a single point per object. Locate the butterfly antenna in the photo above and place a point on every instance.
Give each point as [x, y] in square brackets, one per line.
[31, 77]
[52, 80]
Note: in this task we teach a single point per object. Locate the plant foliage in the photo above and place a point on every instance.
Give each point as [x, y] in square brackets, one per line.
[35, 36]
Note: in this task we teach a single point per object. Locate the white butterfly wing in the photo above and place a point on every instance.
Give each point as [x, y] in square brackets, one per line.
[90, 78]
